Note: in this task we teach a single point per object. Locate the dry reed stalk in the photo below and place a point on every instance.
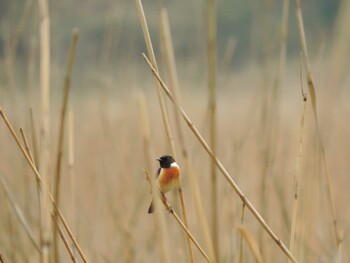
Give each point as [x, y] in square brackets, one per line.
[45, 128]
[70, 234]
[222, 169]
[251, 243]
[312, 93]
[36, 164]
[173, 79]
[146, 131]
[202, 218]
[172, 212]
[240, 257]
[40, 182]
[297, 173]
[271, 124]
[161, 226]
[267, 127]
[338, 62]
[150, 51]
[266, 156]
[160, 222]
[211, 52]
[26, 145]
[190, 235]
[174, 85]
[271, 129]
[71, 170]
[67, 85]
[34, 138]
[19, 213]
[66, 244]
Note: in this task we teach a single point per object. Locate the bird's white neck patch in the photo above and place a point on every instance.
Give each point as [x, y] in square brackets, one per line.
[174, 164]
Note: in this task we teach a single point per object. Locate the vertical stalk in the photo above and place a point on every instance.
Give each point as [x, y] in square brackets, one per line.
[297, 174]
[45, 128]
[174, 83]
[152, 57]
[240, 257]
[71, 172]
[150, 50]
[174, 86]
[312, 93]
[67, 85]
[35, 160]
[34, 138]
[211, 34]
[160, 222]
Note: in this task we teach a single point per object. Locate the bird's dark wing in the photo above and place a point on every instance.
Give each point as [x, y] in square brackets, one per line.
[158, 172]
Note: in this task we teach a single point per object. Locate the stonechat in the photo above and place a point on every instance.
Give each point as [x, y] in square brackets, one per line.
[168, 176]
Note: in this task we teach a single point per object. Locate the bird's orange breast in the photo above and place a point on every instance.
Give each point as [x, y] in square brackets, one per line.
[168, 178]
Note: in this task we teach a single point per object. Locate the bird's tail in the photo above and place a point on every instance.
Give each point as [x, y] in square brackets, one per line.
[151, 208]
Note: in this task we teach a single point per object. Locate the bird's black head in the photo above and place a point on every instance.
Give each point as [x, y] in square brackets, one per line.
[165, 161]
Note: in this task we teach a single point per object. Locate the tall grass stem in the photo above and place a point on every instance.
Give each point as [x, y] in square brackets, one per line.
[312, 94]
[66, 89]
[150, 50]
[173, 79]
[211, 52]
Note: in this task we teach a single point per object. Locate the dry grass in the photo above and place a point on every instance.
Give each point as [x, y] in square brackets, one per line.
[112, 195]
[113, 138]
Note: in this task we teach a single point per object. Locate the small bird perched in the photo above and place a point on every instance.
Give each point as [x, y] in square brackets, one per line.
[168, 176]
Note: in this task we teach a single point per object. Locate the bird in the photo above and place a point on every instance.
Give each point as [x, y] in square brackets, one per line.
[168, 176]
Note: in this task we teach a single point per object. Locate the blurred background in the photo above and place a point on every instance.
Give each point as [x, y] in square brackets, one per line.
[111, 39]
[105, 197]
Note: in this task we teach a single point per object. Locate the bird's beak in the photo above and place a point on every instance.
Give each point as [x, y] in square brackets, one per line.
[158, 159]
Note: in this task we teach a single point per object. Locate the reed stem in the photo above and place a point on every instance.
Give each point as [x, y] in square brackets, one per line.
[150, 50]
[240, 257]
[312, 94]
[172, 73]
[297, 173]
[211, 42]
[159, 222]
[45, 128]
[67, 85]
